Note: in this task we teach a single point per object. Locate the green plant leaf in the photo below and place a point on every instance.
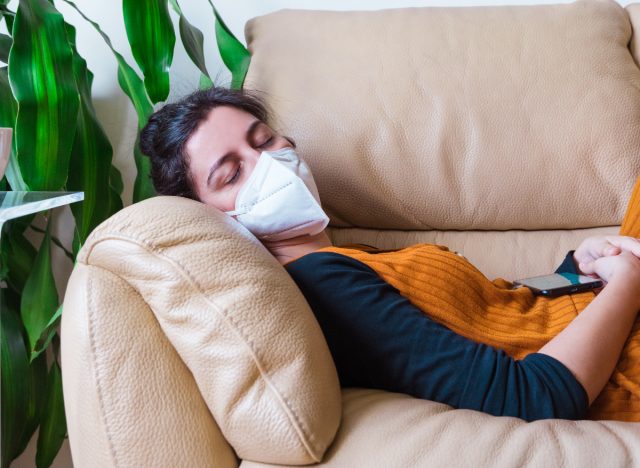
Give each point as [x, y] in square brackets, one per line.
[12, 297]
[4, 253]
[56, 241]
[91, 154]
[76, 245]
[39, 297]
[15, 381]
[192, 39]
[205, 82]
[36, 399]
[234, 55]
[53, 427]
[5, 47]
[20, 254]
[115, 201]
[116, 188]
[134, 88]
[8, 112]
[115, 180]
[142, 188]
[128, 79]
[152, 39]
[41, 76]
[8, 15]
[47, 334]
[9, 107]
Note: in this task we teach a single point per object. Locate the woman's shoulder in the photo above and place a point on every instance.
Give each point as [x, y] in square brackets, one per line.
[331, 271]
[352, 254]
[319, 260]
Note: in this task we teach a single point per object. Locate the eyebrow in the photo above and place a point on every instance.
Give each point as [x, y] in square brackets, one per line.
[226, 157]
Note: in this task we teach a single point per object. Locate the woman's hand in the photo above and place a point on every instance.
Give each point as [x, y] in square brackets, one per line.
[591, 344]
[595, 247]
[624, 265]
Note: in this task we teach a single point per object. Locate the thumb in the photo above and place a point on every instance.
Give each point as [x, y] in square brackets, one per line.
[587, 268]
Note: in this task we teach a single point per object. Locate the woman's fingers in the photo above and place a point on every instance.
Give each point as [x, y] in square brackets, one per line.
[611, 250]
[630, 244]
[587, 268]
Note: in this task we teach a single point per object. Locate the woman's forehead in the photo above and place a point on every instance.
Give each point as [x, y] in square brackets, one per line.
[223, 127]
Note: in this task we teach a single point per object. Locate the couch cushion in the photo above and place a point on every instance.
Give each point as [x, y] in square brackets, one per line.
[236, 319]
[381, 429]
[501, 117]
[498, 254]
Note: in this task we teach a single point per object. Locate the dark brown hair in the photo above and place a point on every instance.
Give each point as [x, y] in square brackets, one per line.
[168, 129]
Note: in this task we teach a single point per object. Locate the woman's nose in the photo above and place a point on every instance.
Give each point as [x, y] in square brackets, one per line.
[252, 154]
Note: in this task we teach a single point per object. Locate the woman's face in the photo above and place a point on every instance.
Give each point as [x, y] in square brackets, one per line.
[223, 151]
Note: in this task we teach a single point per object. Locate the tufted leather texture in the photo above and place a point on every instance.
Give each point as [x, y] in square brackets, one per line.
[257, 356]
[458, 118]
[383, 429]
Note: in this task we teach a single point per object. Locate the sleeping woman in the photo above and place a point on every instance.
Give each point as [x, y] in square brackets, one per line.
[420, 320]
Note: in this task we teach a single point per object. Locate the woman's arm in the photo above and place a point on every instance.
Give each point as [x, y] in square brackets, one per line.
[591, 344]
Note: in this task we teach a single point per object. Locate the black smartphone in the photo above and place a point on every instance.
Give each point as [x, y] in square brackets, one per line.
[558, 284]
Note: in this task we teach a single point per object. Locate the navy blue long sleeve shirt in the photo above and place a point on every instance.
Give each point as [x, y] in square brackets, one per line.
[379, 339]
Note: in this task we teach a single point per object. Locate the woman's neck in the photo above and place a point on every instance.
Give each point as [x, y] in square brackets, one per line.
[290, 249]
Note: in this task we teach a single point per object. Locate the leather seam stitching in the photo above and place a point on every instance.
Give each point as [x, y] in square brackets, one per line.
[90, 308]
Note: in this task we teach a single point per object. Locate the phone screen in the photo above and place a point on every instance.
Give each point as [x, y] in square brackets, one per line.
[560, 283]
[556, 280]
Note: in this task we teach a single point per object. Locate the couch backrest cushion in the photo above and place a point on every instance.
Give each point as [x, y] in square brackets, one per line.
[500, 117]
[235, 317]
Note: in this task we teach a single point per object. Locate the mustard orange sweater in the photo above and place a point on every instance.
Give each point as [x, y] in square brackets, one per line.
[456, 294]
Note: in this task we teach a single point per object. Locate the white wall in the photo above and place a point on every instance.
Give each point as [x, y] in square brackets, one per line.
[117, 114]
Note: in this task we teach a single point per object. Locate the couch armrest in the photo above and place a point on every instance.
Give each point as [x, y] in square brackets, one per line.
[129, 398]
[231, 313]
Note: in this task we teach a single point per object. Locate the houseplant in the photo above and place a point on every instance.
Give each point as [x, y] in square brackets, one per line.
[45, 96]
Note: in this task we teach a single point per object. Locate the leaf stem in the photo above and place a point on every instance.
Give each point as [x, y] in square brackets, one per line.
[55, 240]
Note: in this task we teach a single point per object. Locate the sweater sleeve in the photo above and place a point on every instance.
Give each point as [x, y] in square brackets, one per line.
[568, 265]
[379, 339]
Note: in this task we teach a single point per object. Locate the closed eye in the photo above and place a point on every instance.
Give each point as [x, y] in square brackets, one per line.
[266, 143]
[235, 177]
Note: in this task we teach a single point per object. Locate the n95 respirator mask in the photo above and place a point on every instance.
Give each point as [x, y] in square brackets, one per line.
[280, 199]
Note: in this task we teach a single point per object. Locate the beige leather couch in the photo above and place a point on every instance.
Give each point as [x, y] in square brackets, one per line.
[509, 133]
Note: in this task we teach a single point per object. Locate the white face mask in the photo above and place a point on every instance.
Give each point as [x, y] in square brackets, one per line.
[280, 199]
